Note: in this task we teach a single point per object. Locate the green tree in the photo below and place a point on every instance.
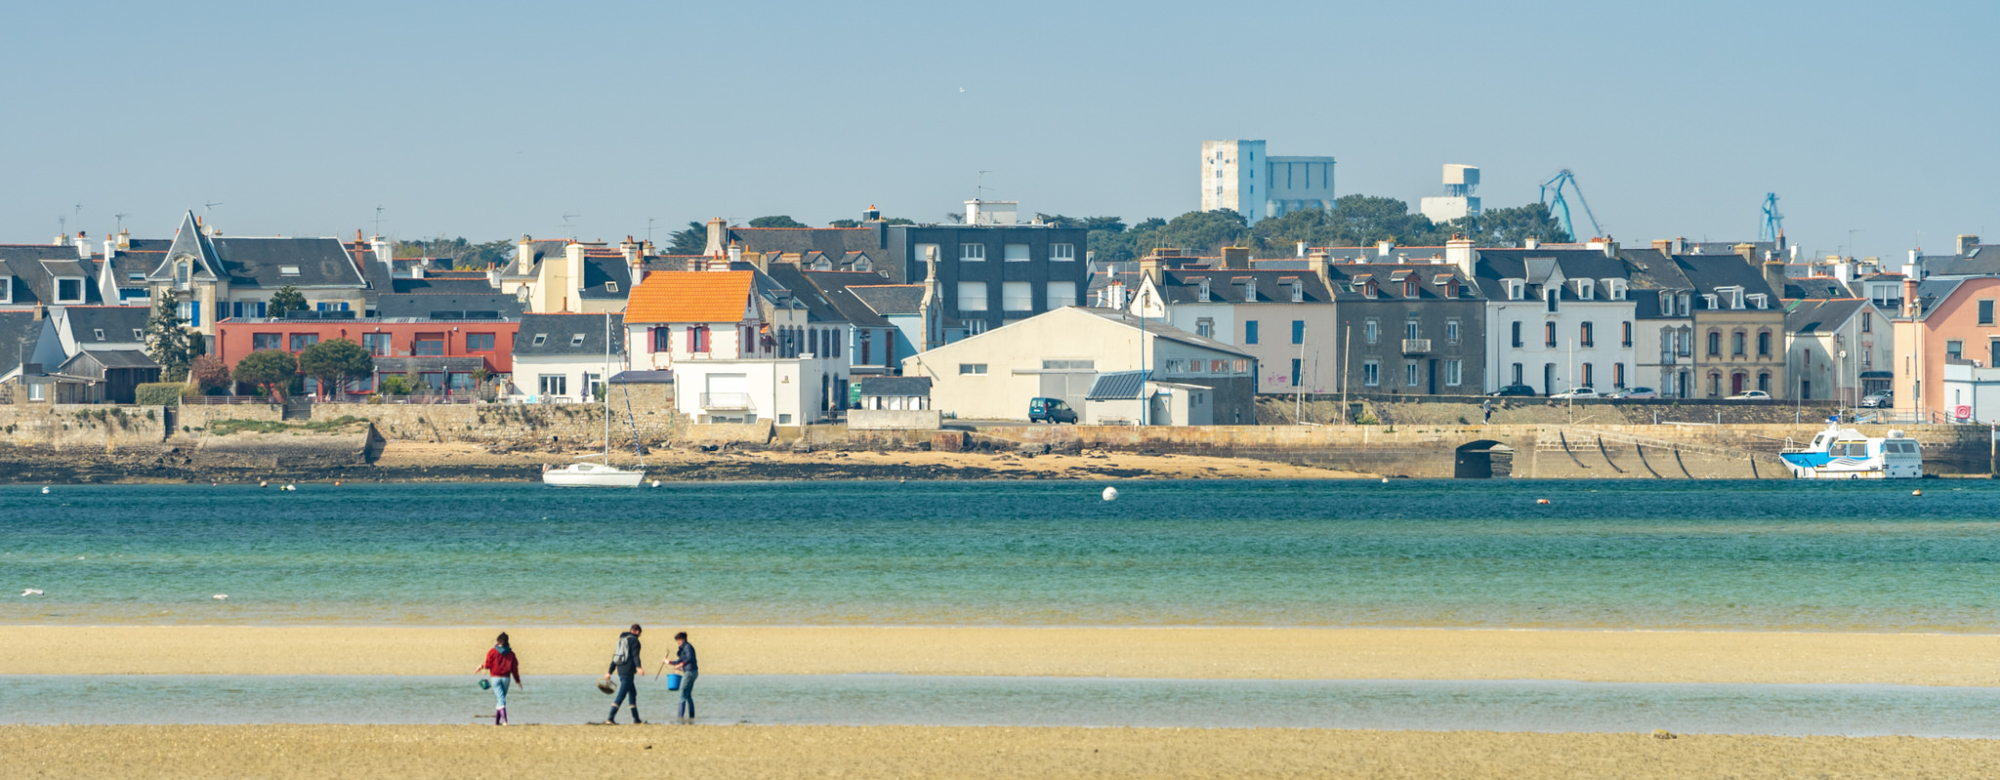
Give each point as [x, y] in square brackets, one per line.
[779, 221]
[1511, 226]
[334, 361]
[690, 241]
[268, 368]
[286, 299]
[169, 342]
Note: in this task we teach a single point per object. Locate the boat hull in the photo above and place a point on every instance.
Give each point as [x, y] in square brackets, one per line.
[594, 477]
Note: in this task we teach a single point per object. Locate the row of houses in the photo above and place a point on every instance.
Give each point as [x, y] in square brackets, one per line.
[778, 323]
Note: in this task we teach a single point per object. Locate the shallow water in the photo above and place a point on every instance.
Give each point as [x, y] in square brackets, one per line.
[1731, 555]
[1849, 710]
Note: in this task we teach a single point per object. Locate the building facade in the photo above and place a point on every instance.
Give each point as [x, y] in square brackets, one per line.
[1238, 175]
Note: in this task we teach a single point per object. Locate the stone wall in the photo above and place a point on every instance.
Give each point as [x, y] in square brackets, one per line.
[1468, 410]
[87, 427]
[894, 419]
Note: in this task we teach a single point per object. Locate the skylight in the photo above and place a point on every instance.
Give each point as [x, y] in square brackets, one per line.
[541, 337]
[288, 270]
[576, 340]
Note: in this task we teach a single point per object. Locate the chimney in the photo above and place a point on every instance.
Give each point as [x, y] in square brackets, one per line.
[1531, 242]
[1910, 307]
[1663, 246]
[1302, 249]
[1774, 273]
[1149, 268]
[735, 256]
[524, 254]
[1680, 245]
[1458, 252]
[871, 214]
[124, 239]
[385, 252]
[1966, 244]
[41, 312]
[1321, 264]
[1610, 247]
[1914, 269]
[635, 260]
[1236, 258]
[82, 246]
[716, 233]
[1383, 248]
[110, 247]
[1746, 251]
[1843, 271]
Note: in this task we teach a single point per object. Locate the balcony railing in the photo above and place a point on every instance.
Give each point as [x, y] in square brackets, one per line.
[1416, 346]
[726, 401]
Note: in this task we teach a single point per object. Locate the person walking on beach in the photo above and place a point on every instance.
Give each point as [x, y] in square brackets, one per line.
[684, 661]
[501, 665]
[626, 664]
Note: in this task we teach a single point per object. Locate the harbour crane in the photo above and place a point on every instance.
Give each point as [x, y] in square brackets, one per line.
[1552, 197]
[1774, 222]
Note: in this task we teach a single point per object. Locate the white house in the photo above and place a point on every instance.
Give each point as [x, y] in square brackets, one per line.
[729, 365]
[561, 357]
[1558, 319]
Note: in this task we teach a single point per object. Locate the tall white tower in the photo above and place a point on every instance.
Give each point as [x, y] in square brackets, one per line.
[1229, 177]
[1460, 181]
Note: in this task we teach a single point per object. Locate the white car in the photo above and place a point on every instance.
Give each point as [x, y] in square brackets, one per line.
[1578, 392]
[1753, 395]
[1634, 392]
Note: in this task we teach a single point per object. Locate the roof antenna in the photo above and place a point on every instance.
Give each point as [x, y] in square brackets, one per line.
[649, 228]
[378, 220]
[206, 208]
[979, 191]
[121, 221]
[568, 229]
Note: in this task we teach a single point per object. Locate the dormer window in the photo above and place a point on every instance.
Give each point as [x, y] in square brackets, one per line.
[1759, 301]
[69, 290]
[1550, 295]
[1298, 292]
[1709, 301]
[1517, 290]
[862, 264]
[1250, 291]
[1368, 289]
[135, 276]
[1615, 288]
[611, 287]
[182, 271]
[1585, 290]
[1202, 296]
[1409, 288]
[98, 332]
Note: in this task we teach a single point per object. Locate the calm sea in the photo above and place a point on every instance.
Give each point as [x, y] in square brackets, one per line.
[1728, 555]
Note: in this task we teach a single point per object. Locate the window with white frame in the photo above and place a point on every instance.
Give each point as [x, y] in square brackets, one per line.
[1017, 296]
[972, 369]
[1014, 253]
[972, 253]
[1062, 253]
[1370, 332]
[1451, 333]
[1061, 294]
[1453, 371]
[972, 296]
[1410, 374]
[69, 290]
[1371, 373]
[1585, 290]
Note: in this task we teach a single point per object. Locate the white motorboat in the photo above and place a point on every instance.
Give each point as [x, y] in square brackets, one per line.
[1844, 453]
[599, 474]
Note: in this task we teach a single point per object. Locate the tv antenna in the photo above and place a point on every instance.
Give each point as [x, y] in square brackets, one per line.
[207, 207]
[378, 220]
[121, 221]
[568, 229]
[979, 191]
[649, 228]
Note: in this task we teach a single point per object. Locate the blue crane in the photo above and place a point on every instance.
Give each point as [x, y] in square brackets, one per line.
[1552, 197]
[1774, 222]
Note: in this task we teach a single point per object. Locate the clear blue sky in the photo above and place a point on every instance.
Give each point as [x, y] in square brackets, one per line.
[493, 119]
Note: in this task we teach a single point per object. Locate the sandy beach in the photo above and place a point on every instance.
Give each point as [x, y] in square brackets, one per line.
[1225, 653]
[726, 753]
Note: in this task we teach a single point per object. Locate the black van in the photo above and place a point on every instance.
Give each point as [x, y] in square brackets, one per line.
[1050, 410]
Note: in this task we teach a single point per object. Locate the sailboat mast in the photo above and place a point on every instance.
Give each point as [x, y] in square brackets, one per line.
[606, 384]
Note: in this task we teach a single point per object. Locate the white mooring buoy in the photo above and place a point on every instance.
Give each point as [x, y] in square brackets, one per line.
[1111, 494]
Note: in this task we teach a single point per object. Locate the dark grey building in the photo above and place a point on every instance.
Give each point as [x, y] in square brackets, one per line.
[1413, 329]
[991, 275]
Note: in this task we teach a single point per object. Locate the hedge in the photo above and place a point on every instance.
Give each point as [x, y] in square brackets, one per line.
[161, 393]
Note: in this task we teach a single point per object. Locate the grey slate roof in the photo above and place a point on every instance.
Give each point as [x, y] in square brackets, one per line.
[459, 284]
[560, 333]
[1651, 269]
[818, 307]
[1351, 276]
[1233, 286]
[34, 268]
[890, 299]
[1540, 265]
[23, 335]
[643, 378]
[1709, 272]
[1819, 316]
[1931, 292]
[264, 262]
[421, 305]
[852, 309]
[600, 272]
[835, 242]
[117, 322]
[896, 386]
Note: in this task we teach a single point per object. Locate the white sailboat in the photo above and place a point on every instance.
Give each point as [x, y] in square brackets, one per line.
[598, 474]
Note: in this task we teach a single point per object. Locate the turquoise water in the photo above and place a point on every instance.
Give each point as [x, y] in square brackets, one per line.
[1723, 555]
[1442, 705]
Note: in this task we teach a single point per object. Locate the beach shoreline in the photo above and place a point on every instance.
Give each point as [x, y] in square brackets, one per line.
[293, 752]
[1209, 652]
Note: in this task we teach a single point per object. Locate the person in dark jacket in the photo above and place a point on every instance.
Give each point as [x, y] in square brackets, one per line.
[501, 665]
[684, 661]
[626, 664]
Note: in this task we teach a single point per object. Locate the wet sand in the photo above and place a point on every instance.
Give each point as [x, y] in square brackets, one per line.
[1224, 653]
[726, 753]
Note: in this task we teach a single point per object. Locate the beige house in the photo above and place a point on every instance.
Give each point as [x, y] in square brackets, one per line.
[1059, 354]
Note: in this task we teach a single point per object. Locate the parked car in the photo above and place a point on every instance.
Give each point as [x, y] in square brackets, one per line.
[1880, 399]
[1753, 395]
[1513, 390]
[1634, 392]
[1050, 410]
[1578, 392]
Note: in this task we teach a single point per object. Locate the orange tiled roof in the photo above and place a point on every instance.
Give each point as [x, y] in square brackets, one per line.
[690, 296]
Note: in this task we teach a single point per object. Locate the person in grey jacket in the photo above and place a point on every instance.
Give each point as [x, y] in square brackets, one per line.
[626, 664]
[684, 662]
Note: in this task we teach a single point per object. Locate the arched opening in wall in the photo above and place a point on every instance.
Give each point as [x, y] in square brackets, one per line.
[1483, 459]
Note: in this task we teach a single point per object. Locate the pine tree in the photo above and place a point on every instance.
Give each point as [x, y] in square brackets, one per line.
[170, 343]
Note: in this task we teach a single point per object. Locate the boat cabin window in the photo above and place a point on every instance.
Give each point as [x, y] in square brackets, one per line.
[1850, 449]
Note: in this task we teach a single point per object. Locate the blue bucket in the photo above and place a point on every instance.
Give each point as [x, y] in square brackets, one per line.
[673, 682]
